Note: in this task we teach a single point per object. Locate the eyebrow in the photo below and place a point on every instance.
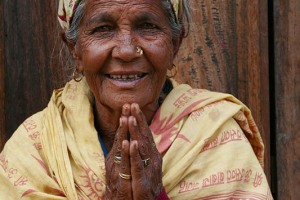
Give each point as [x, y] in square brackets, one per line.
[102, 17]
[107, 17]
[147, 17]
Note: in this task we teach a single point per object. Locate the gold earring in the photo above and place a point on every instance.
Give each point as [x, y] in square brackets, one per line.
[173, 72]
[77, 76]
[139, 50]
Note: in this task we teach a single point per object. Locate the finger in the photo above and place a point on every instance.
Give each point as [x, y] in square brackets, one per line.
[113, 165]
[125, 163]
[124, 190]
[145, 134]
[137, 168]
[141, 178]
[114, 158]
[126, 110]
[121, 135]
[133, 128]
[140, 119]
[135, 134]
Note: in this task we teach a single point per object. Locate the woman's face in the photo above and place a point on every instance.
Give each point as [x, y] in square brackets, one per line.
[110, 32]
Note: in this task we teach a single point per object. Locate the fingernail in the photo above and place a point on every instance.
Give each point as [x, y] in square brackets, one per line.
[136, 107]
[134, 121]
[121, 122]
[123, 144]
[136, 146]
[124, 110]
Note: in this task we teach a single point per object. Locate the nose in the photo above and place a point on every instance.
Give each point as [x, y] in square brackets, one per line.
[125, 48]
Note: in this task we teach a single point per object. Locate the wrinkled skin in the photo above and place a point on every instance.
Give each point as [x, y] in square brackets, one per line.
[109, 34]
[146, 181]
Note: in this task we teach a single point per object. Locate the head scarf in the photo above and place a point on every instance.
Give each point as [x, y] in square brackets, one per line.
[67, 8]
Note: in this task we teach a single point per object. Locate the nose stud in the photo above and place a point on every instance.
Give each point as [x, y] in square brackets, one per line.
[139, 50]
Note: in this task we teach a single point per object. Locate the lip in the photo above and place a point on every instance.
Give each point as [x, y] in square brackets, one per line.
[126, 84]
[130, 77]
[125, 72]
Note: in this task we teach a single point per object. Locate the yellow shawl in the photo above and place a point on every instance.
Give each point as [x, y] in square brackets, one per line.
[210, 145]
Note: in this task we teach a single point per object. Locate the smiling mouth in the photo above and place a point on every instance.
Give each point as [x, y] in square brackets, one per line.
[132, 77]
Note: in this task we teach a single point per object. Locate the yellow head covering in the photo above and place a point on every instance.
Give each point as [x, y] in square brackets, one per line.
[67, 8]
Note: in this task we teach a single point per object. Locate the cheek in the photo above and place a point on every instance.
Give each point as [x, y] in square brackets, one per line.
[94, 55]
[160, 53]
[92, 80]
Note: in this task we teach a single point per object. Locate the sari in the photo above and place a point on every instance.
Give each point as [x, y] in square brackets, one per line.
[210, 145]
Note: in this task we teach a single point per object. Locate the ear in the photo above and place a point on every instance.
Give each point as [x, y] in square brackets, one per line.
[70, 45]
[176, 45]
[72, 48]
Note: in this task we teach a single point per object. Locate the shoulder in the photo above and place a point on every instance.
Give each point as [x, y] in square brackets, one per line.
[22, 162]
[184, 93]
[27, 134]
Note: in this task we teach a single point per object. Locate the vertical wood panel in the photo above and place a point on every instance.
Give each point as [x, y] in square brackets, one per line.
[2, 88]
[207, 58]
[227, 51]
[253, 66]
[256, 79]
[32, 49]
[287, 96]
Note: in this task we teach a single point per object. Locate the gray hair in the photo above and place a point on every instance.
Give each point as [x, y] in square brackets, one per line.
[179, 27]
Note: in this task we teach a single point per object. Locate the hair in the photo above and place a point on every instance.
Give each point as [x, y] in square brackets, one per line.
[179, 28]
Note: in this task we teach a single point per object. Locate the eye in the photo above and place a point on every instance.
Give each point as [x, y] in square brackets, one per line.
[103, 28]
[147, 25]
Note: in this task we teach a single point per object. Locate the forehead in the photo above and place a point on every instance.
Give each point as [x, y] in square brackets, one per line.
[122, 2]
[99, 6]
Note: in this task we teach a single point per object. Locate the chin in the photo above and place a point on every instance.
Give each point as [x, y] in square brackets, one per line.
[122, 99]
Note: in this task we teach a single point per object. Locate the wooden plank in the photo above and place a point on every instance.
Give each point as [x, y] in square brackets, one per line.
[207, 57]
[287, 96]
[227, 51]
[32, 53]
[253, 66]
[2, 85]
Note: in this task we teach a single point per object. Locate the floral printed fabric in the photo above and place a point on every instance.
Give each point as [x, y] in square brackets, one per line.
[67, 8]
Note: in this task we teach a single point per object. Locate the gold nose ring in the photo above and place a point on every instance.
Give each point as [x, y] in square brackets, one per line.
[139, 50]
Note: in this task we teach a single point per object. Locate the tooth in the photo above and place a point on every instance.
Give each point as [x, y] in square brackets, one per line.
[126, 77]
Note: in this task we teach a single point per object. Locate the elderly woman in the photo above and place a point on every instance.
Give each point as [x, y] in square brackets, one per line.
[122, 129]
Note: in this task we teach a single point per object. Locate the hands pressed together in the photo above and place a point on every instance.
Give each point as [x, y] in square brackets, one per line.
[133, 165]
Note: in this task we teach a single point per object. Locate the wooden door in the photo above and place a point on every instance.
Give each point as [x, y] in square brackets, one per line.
[29, 61]
[227, 51]
[286, 96]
